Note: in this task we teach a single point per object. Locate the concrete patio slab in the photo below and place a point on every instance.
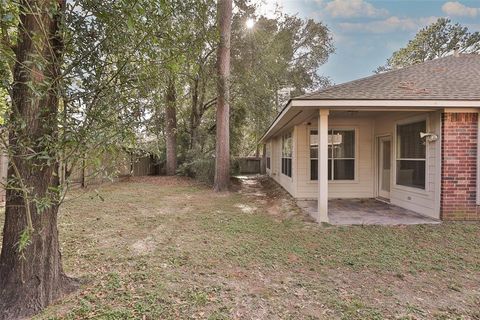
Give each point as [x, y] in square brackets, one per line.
[366, 212]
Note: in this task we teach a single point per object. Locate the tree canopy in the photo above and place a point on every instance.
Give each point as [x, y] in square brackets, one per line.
[278, 54]
[437, 40]
[120, 57]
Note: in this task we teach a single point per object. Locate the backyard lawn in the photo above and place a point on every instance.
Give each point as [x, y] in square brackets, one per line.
[170, 248]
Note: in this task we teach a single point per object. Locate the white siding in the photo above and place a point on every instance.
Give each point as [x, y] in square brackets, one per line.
[276, 164]
[362, 186]
[426, 201]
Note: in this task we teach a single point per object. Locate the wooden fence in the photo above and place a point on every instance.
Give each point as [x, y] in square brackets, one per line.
[110, 170]
[250, 165]
[125, 165]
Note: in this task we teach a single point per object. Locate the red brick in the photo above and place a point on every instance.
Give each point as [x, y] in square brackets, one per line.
[459, 167]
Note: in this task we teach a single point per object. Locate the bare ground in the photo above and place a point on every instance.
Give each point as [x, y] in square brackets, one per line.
[170, 248]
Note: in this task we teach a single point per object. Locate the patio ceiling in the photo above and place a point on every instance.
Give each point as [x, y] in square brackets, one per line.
[300, 111]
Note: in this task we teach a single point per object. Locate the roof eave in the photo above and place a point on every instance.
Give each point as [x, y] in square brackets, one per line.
[364, 105]
[387, 103]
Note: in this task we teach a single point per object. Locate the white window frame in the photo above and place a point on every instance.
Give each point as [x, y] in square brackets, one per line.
[309, 133]
[409, 120]
[268, 156]
[289, 133]
[335, 128]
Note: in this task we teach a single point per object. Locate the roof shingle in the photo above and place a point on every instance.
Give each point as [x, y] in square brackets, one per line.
[448, 78]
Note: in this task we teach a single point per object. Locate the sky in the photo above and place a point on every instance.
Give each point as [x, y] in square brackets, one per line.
[367, 32]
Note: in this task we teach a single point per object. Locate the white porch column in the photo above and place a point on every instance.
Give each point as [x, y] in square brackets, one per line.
[322, 214]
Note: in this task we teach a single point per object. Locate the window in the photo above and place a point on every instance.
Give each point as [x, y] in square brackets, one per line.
[268, 154]
[411, 155]
[341, 155]
[313, 155]
[287, 154]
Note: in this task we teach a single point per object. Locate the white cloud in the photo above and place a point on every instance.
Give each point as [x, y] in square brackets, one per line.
[455, 8]
[353, 8]
[388, 25]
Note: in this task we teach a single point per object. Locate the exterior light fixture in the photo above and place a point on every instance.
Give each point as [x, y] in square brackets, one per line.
[430, 137]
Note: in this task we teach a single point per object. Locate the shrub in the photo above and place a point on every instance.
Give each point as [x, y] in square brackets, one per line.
[203, 169]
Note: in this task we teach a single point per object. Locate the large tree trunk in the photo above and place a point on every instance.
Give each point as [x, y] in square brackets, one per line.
[222, 158]
[31, 274]
[171, 128]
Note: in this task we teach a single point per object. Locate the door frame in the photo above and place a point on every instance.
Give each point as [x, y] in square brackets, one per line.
[378, 140]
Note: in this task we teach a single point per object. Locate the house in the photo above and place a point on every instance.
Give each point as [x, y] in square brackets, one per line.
[408, 137]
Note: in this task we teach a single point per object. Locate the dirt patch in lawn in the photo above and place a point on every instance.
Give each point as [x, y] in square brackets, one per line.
[268, 194]
[171, 248]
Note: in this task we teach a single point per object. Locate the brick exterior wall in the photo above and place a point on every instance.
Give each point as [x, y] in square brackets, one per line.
[459, 167]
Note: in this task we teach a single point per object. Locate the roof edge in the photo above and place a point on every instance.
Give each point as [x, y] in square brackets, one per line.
[332, 103]
[388, 105]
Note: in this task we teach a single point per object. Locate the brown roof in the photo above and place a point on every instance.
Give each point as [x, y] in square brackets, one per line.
[448, 78]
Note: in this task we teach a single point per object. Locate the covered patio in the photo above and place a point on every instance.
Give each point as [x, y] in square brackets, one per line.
[381, 137]
[365, 212]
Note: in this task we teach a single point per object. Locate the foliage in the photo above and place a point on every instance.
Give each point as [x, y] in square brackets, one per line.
[437, 40]
[8, 23]
[118, 56]
[187, 48]
[285, 52]
[109, 72]
[202, 169]
[282, 53]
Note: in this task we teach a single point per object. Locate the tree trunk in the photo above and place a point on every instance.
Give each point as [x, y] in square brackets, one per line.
[31, 274]
[199, 107]
[171, 128]
[222, 152]
[194, 116]
[83, 174]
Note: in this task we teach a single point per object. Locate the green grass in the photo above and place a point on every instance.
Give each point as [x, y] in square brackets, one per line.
[420, 248]
[180, 251]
